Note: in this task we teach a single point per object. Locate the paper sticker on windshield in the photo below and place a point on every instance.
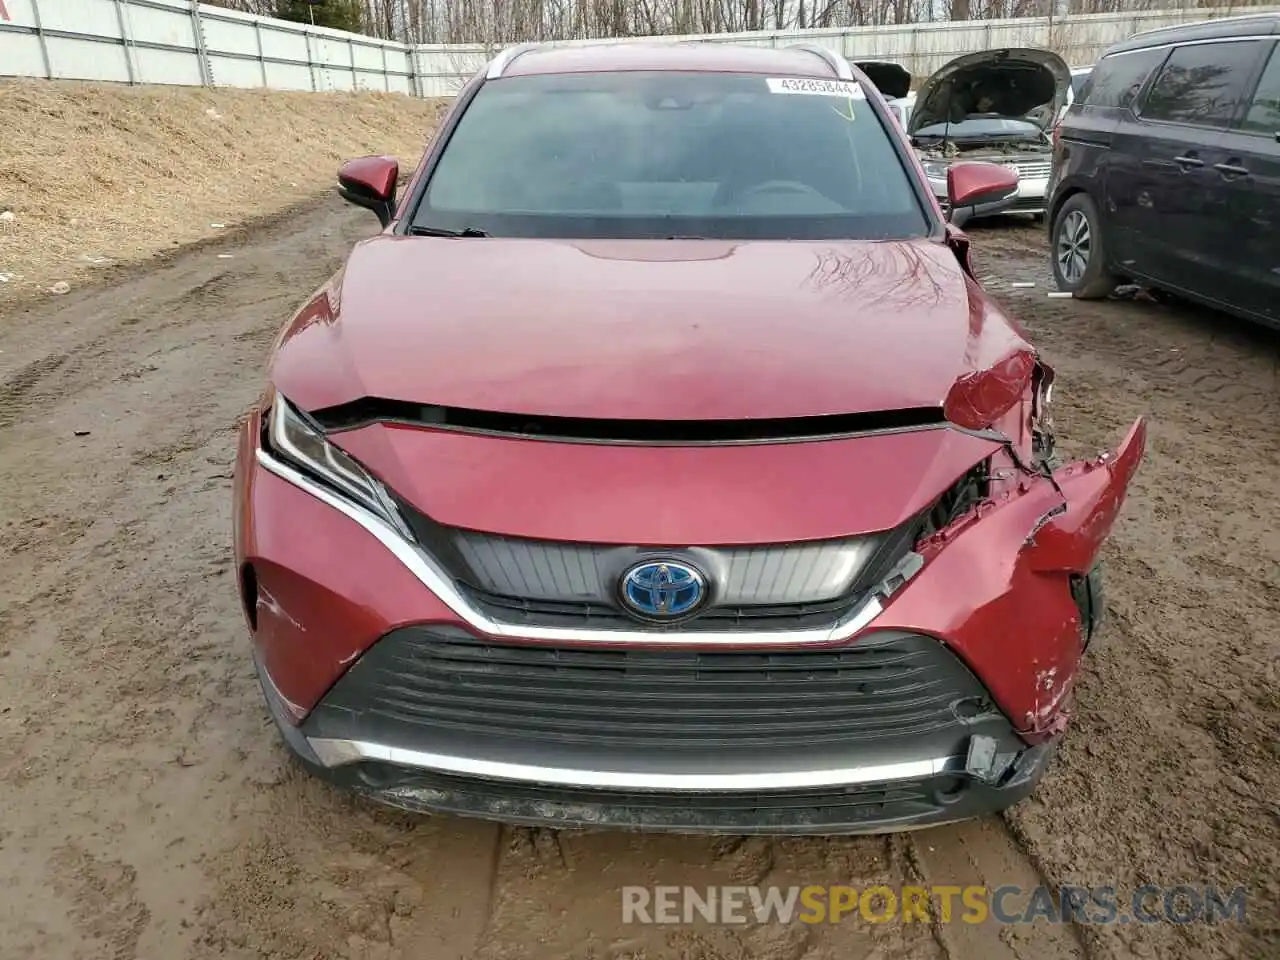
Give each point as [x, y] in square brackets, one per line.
[846, 89]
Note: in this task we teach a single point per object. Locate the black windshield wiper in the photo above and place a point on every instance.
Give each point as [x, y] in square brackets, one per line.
[441, 232]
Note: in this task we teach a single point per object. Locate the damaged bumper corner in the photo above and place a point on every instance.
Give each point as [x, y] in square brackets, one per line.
[1093, 491]
[1002, 587]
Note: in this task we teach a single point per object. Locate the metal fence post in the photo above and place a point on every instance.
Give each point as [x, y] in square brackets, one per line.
[126, 41]
[351, 55]
[262, 57]
[311, 58]
[202, 55]
[386, 77]
[40, 38]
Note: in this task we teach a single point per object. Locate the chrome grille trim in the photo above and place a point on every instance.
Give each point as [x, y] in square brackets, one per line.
[428, 572]
[1032, 168]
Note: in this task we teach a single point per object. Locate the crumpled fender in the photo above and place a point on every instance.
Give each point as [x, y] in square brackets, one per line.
[1094, 490]
[996, 585]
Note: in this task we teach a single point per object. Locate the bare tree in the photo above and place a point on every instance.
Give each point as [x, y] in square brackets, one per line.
[496, 22]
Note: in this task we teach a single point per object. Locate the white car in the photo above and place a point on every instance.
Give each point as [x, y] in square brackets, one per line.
[995, 106]
[901, 108]
[1078, 77]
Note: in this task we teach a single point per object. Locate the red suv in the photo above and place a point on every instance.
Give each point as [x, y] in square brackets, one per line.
[662, 464]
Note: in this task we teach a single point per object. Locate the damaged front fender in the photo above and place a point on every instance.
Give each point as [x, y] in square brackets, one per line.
[996, 586]
[1093, 492]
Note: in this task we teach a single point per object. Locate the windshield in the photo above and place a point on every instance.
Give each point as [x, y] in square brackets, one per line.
[661, 154]
[1001, 128]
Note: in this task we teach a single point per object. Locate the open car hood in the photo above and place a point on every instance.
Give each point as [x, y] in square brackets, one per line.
[893, 80]
[1025, 84]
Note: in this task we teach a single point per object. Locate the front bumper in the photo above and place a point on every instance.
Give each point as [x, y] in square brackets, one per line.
[949, 704]
[1032, 195]
[469, 767]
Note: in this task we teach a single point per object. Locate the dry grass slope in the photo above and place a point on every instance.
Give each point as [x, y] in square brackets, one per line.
[92, 171]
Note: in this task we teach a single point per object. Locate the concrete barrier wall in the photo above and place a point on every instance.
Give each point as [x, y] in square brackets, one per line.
[182, 42]
[178, 42]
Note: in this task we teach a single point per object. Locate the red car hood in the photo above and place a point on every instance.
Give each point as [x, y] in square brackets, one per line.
[624, 493]
[653, 330]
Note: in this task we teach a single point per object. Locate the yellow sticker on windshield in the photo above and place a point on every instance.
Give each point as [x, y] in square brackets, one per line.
[844, 89]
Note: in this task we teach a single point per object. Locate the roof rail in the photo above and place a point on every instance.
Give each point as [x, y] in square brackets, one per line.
[832, 59]
[505, 58]
[1264, 16]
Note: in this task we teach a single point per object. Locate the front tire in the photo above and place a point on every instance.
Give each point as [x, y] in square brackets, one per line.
[1078, 252]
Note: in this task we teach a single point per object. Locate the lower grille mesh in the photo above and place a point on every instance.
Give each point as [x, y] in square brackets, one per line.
[418, 682]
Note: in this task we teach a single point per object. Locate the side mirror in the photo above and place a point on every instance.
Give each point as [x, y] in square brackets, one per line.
[979, 189]
[371, 182]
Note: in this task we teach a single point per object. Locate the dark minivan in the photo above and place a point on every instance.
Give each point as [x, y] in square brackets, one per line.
[1167, 169]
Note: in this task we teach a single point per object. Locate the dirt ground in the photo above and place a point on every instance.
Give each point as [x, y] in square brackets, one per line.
[95, 175]
[150, 813]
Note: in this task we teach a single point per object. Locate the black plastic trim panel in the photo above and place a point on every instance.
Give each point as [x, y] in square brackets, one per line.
[369, 410]
[888, 698]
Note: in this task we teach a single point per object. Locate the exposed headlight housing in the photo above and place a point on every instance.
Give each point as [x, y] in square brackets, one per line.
[936, 169]
[293, 438]
[1042, 438]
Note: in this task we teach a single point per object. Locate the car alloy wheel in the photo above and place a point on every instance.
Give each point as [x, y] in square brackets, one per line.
[1079, 249]
[1074, 246]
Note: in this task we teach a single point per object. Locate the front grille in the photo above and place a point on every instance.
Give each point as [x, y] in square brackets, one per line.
[889, 697]
[540, 570]
[595, 615]
[525, 582]
[781, 586]
[1032, 168]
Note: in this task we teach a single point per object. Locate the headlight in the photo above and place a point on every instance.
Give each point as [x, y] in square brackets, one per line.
[297, 441]
[936, 169]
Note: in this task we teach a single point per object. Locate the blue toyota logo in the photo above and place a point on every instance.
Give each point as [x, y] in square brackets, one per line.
[662, 590]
